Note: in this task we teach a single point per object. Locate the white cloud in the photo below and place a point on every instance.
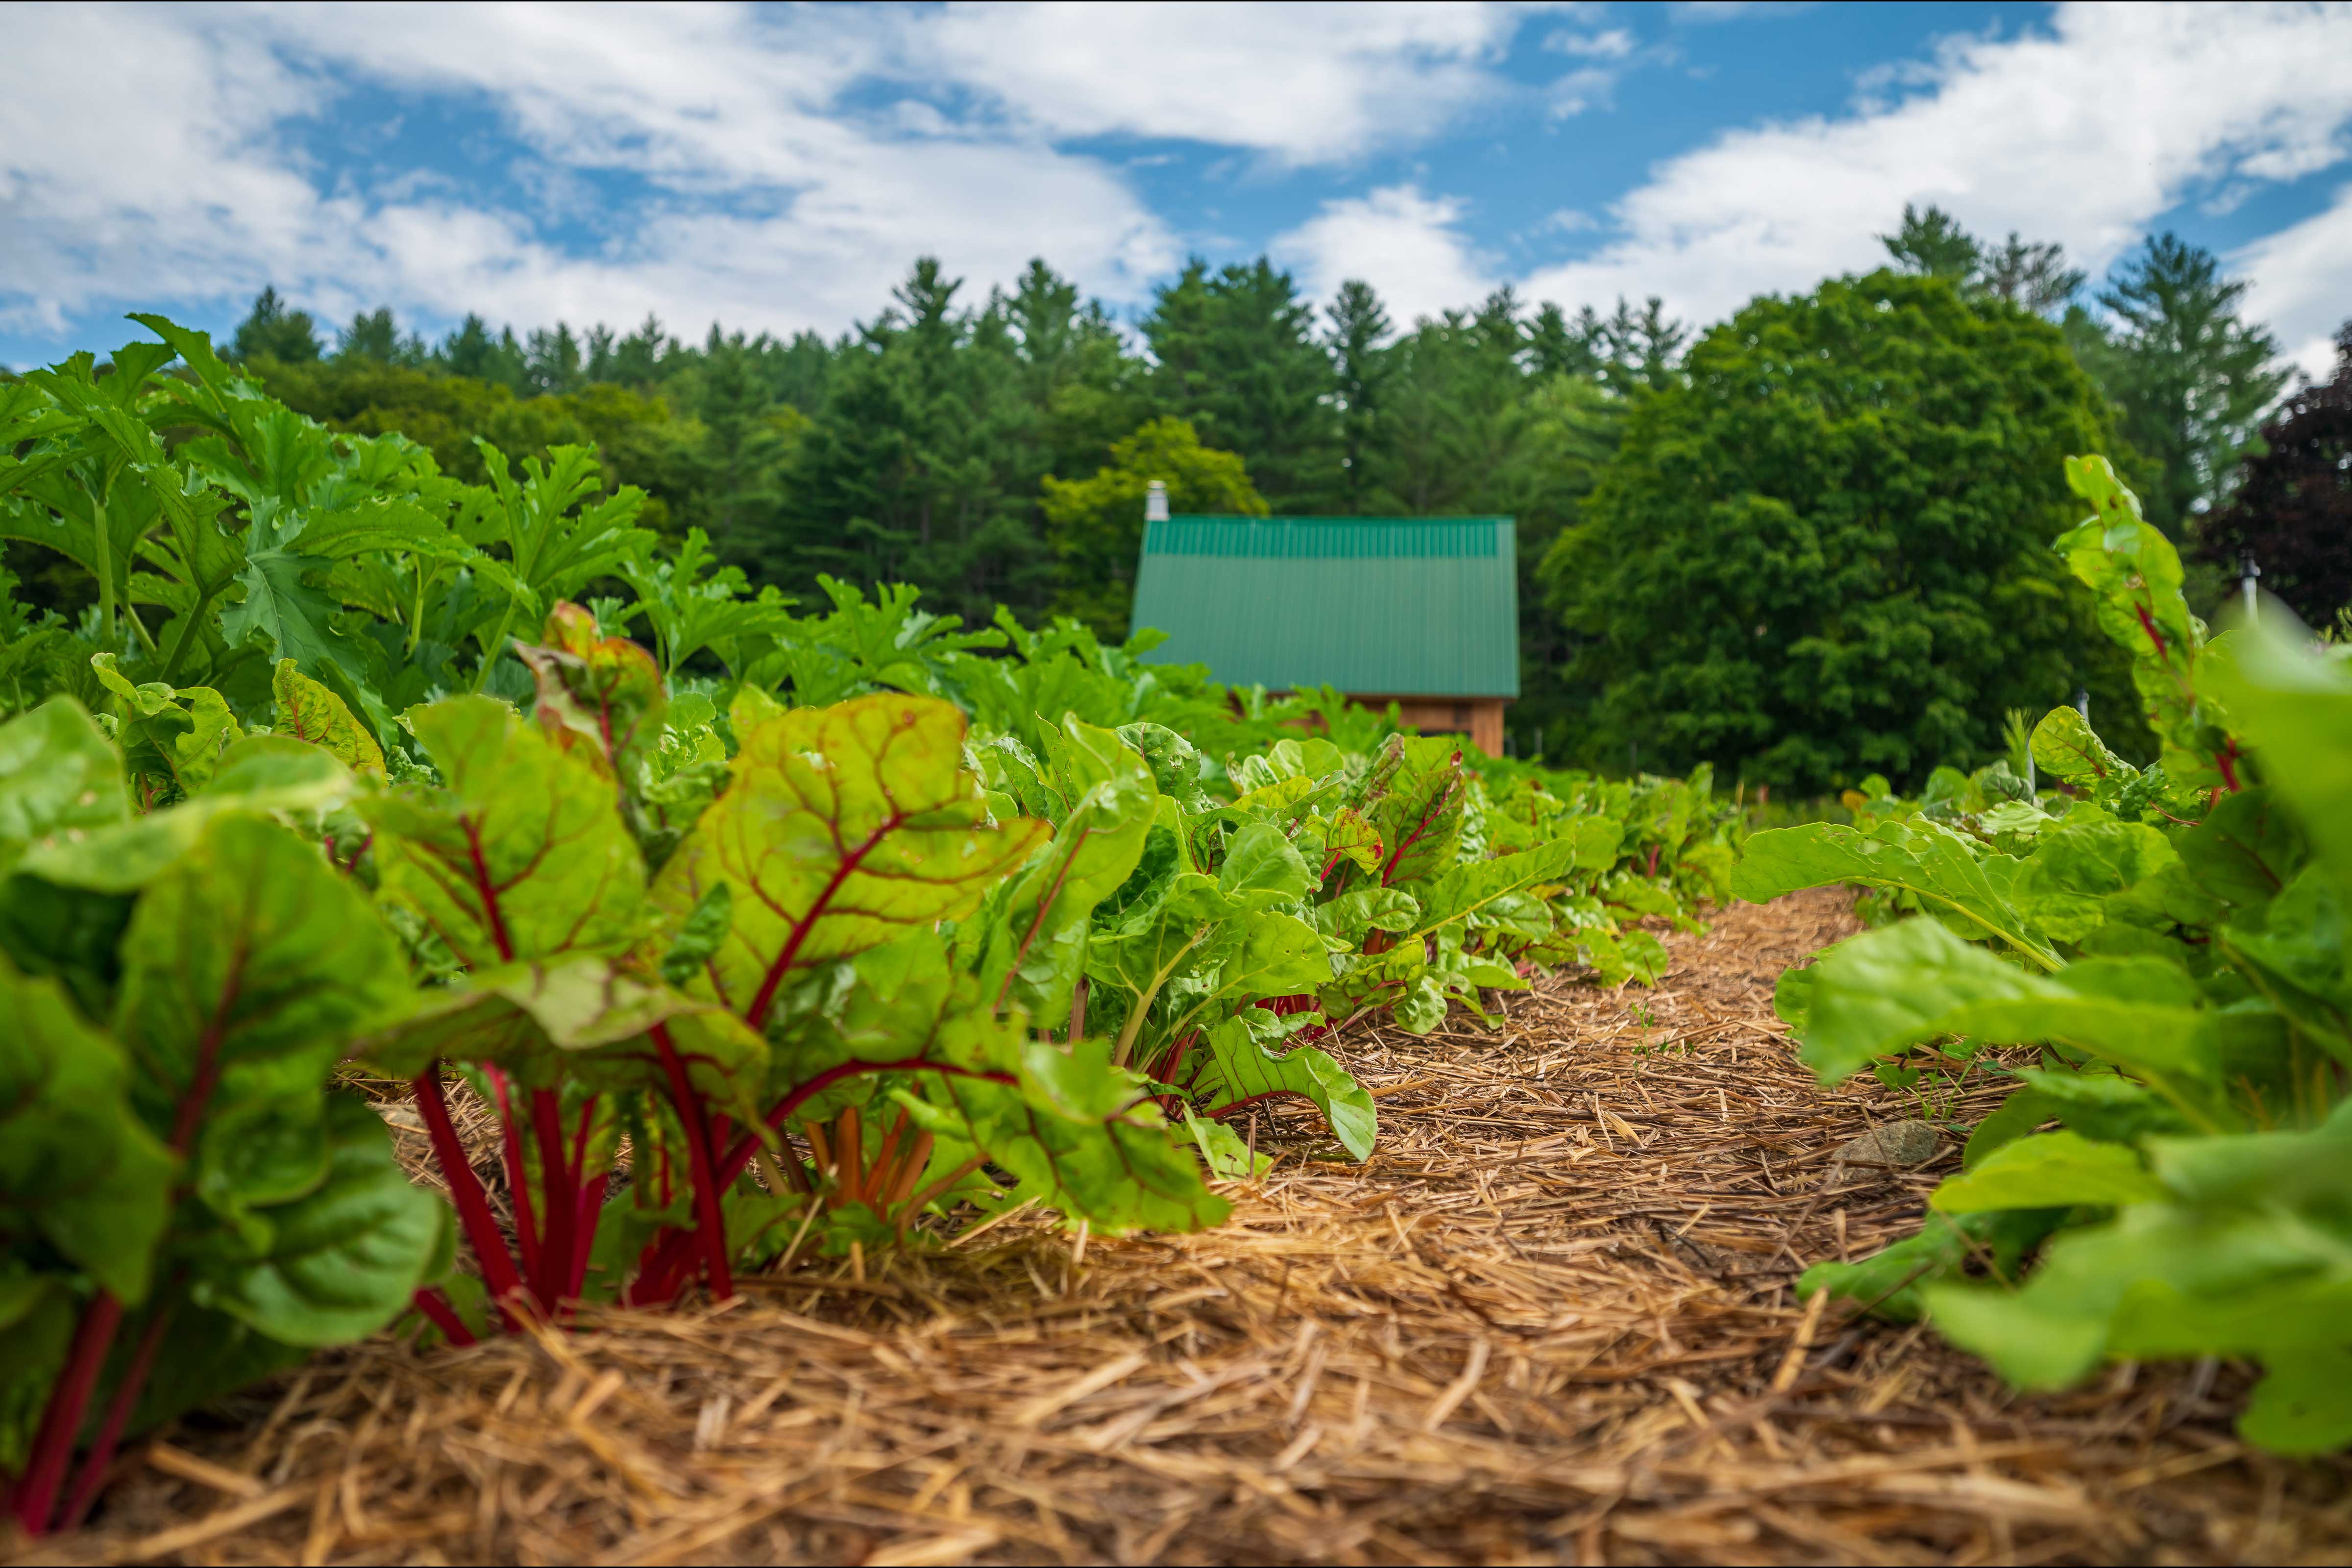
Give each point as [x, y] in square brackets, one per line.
[1408, 247]
[1577, 90]
[795, 159]
[2303, 283]
[1612, 44]
[781, 167]
[1303, 83]
[2083, 135]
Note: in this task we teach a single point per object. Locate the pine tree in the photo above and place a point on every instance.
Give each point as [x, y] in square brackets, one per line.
[1932, 243]
[1359, 343]
[1451, 410]
[1630, 348]
[2192, 378]
[553, 363]
[897, 479]
[373, 335]
[2032, 278]
[1561, 347]
[1075, 389]
[1239, 357]
[274, 330]
[639, 358]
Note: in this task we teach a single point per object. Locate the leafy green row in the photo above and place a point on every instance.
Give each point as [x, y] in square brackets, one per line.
[2174, 940]
[957, 952]
[1043, 978]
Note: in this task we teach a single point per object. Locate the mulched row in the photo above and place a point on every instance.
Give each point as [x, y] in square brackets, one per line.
[1551, 1320]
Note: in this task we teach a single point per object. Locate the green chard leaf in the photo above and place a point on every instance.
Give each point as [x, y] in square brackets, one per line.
[60, 778]
[600, 696]
[261, 775]
[1414, 796]
[2066, 748]
[2062, 890]
[2134, 577]
[77, 1168]
[1909, 984]
[523, 855]
[582, 1017]
[2295, 711]
[1465, 890]
[2242, 1252]
[1028, 941]
[1893, 1282]
[346, 1255]
[248, 968]
[843, 828]
[1934, 864]
[2052, 1170]
[308, 711]
[1076, 1131]
[1241, 1069]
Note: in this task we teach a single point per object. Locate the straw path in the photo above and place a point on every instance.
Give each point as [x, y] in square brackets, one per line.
[1551, 1321]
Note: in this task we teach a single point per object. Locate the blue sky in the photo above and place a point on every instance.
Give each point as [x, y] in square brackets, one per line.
[776, 168]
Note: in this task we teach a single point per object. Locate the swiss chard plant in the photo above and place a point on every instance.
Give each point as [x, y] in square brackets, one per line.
[686, 996]
[186, 1200]
[2169, 1178]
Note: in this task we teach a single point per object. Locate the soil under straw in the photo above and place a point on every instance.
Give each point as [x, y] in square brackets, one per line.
[1551, 1321]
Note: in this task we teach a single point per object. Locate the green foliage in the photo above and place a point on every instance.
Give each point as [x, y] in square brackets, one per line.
[972, 916]
[1095, 525]
[2186, 980]
[274, 330]
[1236, 356]
[2135, 579]
[176, 1152]
[2291, 505]
[1826, 555]
[674, 456]
[2034, 278]
[2191, 378]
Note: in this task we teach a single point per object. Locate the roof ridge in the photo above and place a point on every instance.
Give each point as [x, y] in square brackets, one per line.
[1336, 517]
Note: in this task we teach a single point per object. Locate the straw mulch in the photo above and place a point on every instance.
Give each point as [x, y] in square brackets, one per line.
[1551, 1321]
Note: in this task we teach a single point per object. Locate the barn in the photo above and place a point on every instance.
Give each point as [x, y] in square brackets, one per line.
[1421, 611]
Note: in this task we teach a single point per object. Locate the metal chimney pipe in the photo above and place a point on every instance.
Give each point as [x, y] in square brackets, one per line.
[1155, 502]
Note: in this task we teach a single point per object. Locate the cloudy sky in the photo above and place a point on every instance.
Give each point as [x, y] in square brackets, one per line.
[776, 168]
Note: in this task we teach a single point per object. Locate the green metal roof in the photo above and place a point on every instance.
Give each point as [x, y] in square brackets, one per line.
[1405, 606]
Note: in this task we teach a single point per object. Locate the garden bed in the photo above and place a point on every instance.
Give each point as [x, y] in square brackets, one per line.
[1552, 1320]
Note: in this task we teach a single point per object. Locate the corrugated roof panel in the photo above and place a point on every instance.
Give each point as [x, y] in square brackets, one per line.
[1402, 606]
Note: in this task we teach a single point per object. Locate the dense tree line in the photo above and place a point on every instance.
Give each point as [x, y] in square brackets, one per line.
[996, 450]
[1800, 571]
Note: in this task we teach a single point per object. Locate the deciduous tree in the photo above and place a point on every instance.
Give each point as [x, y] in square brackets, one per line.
[1096, 523]
[1825, 552]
